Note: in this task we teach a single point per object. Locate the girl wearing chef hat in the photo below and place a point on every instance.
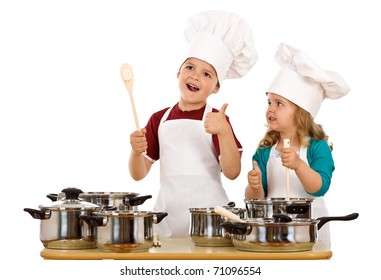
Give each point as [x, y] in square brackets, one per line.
[294, 99]
[194, 141]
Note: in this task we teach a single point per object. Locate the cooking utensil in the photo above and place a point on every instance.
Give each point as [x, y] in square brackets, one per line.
[278, 234]
[205, 226]
[61, 227]
[286, 144]
[266, 208]
[124, 231]
[227, 214]
[128, 79]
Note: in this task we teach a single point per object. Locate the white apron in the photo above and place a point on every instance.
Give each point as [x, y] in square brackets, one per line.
[276, 187]
[190, 174]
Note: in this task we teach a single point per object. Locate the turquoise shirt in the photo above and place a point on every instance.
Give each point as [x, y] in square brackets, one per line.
[319, 157]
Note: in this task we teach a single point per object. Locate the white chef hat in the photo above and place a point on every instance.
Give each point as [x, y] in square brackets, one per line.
[303, 82]
[224, 40]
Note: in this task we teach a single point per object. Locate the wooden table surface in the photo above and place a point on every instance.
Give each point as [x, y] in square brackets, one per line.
[183, 249]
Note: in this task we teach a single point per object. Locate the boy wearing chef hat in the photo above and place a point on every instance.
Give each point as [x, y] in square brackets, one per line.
[194, 141]
[294, 99]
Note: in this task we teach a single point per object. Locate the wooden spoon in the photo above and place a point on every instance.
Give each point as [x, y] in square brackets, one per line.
[128, 80]
[286, 144]
[228, 214]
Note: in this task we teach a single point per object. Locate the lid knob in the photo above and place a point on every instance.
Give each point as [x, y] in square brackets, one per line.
[72, 193]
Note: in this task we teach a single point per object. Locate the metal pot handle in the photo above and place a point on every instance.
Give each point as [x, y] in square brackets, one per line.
[94, 221]
[39, 214]
[297, 208]
[237, 228]
[53, 196]
[324, 220]
[134, 201]
[157, 217]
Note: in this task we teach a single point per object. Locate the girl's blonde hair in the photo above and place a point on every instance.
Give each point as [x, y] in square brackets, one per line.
[306, 129]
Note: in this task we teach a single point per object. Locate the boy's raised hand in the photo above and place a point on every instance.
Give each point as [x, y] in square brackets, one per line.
[138, 141]
[215, 122]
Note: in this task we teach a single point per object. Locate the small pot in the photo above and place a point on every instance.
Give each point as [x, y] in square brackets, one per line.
[61, 227]
[278, 234]
[205, 226]
[266, 208]
[124, 231]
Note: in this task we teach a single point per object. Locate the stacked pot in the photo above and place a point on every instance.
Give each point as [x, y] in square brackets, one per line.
[109, 221]
[278, 225]
[205, 226]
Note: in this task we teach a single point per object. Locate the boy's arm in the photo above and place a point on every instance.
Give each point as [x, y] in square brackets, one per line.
[139, 166]
[230, 156]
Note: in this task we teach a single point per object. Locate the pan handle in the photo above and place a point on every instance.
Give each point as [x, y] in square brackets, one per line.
[324, 220]
[135, 201]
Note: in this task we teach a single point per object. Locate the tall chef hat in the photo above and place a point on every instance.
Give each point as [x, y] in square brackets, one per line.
[303, 82]
[224, 40]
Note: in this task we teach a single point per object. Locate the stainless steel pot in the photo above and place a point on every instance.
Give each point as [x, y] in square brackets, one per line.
[278, 234]
[124, 231]
[109, 200]
[61, 227]
[266, 208]
[205, 226]
[115, 200]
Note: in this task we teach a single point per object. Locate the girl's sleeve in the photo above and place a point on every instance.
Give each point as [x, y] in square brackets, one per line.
[320, 159]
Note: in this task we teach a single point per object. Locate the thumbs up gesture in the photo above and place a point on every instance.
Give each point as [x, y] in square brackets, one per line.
[254, 177]
[215, 122]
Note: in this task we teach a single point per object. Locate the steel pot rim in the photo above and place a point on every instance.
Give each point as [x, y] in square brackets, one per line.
[210, 210]
[278, 200]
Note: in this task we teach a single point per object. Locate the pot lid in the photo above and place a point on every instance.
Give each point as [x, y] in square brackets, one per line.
[71, 201]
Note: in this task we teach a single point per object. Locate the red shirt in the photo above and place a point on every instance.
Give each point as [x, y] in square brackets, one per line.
[152, 127]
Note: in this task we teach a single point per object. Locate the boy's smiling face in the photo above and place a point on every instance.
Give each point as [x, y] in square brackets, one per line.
[197, 80]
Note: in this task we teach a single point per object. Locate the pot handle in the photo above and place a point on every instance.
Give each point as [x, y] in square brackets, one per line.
[39, 214]
[159, 216]
[237, 228]
[324, 220]
[53, 196]
[94, 221]
[296, 208]
[230, 204]
[134, 201]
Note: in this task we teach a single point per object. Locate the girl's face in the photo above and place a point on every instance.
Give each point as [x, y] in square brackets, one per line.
[280, 114]
[197, 80]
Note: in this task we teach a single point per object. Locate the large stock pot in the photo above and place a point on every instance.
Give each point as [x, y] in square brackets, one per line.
[278, 234]
[266, 208]
[124, 231]
[205, 226]
[61, 227]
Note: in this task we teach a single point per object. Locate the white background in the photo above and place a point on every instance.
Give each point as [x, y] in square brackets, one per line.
[65, 115]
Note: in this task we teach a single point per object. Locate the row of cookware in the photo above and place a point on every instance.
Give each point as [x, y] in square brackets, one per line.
[111, 222]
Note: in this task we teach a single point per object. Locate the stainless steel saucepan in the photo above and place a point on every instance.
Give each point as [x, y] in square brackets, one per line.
[278, 234]
[61, 227]
[205, 226]
[124, 231]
